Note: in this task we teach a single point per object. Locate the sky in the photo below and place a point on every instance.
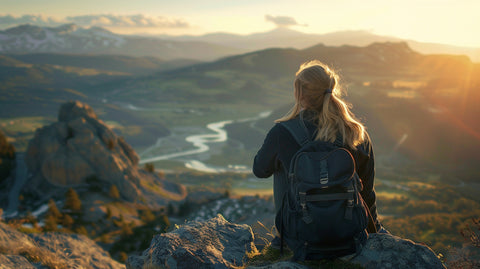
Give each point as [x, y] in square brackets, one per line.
[454, 22]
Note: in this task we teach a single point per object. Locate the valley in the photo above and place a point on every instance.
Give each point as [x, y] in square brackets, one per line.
[200, 124]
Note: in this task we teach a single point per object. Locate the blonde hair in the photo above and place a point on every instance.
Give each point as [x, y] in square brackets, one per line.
[317, 89]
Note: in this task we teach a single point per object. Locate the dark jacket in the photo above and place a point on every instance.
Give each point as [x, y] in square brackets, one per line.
[278, 149]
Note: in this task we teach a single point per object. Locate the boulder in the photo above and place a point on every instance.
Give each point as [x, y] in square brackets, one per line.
[389, 251]
[215, 243]
[51, 250]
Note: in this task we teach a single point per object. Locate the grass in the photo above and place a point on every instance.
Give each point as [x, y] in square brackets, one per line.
[36, 254]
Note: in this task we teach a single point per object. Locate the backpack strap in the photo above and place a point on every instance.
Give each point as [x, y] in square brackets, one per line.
[298, 130]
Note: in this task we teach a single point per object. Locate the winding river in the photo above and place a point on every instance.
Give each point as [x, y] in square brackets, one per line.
[200, 143]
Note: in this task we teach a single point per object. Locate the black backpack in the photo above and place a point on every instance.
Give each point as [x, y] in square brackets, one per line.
[322, 214]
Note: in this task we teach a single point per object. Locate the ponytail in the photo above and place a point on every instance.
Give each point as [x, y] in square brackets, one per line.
[316, 89]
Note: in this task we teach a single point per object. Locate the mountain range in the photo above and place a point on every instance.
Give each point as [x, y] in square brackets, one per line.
[70, 38]
[288, 38]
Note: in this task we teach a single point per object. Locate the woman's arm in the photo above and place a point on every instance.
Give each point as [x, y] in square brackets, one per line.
[366, 172]
[264, 162]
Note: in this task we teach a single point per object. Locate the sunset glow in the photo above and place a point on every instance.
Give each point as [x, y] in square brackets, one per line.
[444, 21]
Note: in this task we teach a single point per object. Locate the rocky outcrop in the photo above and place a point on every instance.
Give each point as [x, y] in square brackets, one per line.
[215, 243]
[7, 164]
[7, 157]
[51, 250]
[80, 149]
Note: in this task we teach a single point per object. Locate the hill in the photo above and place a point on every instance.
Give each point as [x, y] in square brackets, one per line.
[397, 91]
[111, 63]
[31, 93]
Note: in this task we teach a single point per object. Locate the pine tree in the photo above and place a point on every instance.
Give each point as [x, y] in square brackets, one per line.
[113, 193]
[53, 210]
[109, 213]
[147, 216]
[72, 201]
[81, 230]
[67, 221]
[50, 223]
[126, 229]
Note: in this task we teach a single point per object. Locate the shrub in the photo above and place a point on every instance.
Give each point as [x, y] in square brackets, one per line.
[72, 201]
[50, 224]
[113, 192]
[67, 221]
[149, 167]
[123, 256]
[147, 216]
[110, 144]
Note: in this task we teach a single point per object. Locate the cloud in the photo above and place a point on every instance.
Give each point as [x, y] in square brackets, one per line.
[127, 21]
[32, 19]
[283, 21]
[103, 20]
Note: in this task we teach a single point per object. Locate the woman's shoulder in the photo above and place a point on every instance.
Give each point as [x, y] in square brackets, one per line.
[366, 147]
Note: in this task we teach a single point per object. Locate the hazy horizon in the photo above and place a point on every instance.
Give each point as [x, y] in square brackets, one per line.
[444, 22]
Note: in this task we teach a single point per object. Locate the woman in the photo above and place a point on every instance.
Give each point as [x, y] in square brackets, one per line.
[327, 118]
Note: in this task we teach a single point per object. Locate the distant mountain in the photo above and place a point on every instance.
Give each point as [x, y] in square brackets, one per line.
[70, 38]
[287, 38]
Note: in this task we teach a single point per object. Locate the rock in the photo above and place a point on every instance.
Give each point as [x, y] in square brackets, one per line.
[15, 261]
[7, 168]
[215, 243]
[51, 250]
[79, 147]
[389, 251]
[7, 157]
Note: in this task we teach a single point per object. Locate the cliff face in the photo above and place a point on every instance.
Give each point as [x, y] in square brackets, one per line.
[7, 157]
[80, 149]
[51, 250]
[7, 164]
[217, 243]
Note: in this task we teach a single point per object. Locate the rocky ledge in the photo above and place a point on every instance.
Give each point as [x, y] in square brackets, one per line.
[51, 250]
[217, 243]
